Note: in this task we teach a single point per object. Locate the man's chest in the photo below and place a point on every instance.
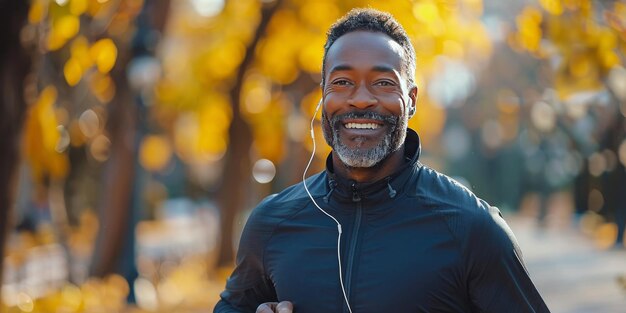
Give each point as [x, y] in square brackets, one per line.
[409, 266]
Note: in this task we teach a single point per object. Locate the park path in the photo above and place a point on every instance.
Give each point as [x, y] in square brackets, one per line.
[571, 273]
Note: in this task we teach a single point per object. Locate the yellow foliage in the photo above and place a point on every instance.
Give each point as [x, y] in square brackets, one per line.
[426, 12]
[554, 7]
[77, 137]
[67, 26]
[429, 120]
[80, 51]
[94, 8]
[41, 137]
[282, 20]
[528, 24]
[609, 59]
[104, 53]
[165, 92]
[584, 47]
[309, 103]
[256, 93]
[72, 71]
[312, 53]
[480, 45]
[215, 114]
[54, 40]
[269, 143]
[278, 52]
[102, 87]
[276, 59]
[154, 152]
[36, 13]
[78, 7]
[223, 60]
[567, 85]
[202, 136]
[310, 14]
[269, 129]
[581, 65]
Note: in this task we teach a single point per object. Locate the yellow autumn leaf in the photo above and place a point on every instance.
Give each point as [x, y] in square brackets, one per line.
[78, 7]
[79, 50]
[426, 12]
[311, 54]
[104, 53]
[192, 144]
[36, 12]
[154, 152]
[269, 146]
[310, 13]
[67, 26]
[41, 137]
[227, 57]
[215, 116]
[609, 59]
[46, 116]
[72, 71]
[554, 7]
[208, 146]
[55, 40]
[58, 165]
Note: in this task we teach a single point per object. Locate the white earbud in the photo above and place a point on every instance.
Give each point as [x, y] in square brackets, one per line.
[343, 289]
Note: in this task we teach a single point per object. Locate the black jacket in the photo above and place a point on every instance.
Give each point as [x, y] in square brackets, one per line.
[416, 241]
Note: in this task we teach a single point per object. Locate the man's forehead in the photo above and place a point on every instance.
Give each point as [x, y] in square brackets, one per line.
[358, 44]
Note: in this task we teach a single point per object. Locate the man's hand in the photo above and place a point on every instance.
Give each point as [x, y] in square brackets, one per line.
[275, 307]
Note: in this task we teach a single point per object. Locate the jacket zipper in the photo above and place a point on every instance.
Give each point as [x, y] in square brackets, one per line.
[354, 239]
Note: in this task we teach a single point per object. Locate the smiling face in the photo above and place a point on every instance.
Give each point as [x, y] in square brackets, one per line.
[366, 98]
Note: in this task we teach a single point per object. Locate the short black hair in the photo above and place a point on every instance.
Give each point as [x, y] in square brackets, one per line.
[374, 21]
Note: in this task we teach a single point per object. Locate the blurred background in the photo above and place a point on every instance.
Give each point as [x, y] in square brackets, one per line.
[137, 135]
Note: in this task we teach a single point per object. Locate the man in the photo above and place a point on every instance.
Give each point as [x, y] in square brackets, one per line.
[411, 239]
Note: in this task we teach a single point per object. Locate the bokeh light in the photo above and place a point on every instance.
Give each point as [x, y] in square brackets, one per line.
[263, 171]
[89, 123]
[154, 153]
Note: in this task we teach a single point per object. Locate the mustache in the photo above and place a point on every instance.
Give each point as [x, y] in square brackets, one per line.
[369, 115]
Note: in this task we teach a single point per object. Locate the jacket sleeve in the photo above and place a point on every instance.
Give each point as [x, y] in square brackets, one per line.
[249, 286]
[497, 277]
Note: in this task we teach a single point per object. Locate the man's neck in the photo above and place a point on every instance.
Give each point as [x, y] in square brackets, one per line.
[384, 168]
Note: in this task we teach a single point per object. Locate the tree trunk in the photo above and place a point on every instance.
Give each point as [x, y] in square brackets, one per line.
[236, 185]
[14, 66]
[116, 234]
[115, 196]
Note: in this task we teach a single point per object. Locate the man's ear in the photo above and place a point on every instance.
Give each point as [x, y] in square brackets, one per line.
[412, 101]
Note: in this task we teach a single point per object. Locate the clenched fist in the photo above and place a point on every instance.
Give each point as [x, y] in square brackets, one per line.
[275, 307]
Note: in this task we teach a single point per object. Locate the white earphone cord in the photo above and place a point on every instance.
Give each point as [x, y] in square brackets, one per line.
[343, 289]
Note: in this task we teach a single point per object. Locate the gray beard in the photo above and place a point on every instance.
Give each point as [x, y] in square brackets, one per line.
[364, 157]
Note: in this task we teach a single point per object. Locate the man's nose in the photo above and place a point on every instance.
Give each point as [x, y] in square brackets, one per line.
[362, 98]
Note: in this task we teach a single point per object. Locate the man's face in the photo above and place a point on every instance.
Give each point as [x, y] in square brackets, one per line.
[366, 98]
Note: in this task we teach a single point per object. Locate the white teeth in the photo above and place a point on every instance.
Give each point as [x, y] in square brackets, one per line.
[362, 125]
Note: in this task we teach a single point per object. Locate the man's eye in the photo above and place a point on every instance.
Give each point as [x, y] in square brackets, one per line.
[384, 83]
[341, 82]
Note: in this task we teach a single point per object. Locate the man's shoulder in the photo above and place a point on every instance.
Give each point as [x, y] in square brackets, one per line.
[290, 200]
[466, 215]
[439, 191]
[461, 209]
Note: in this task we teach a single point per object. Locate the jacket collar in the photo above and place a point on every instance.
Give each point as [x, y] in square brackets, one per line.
[347, 190]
